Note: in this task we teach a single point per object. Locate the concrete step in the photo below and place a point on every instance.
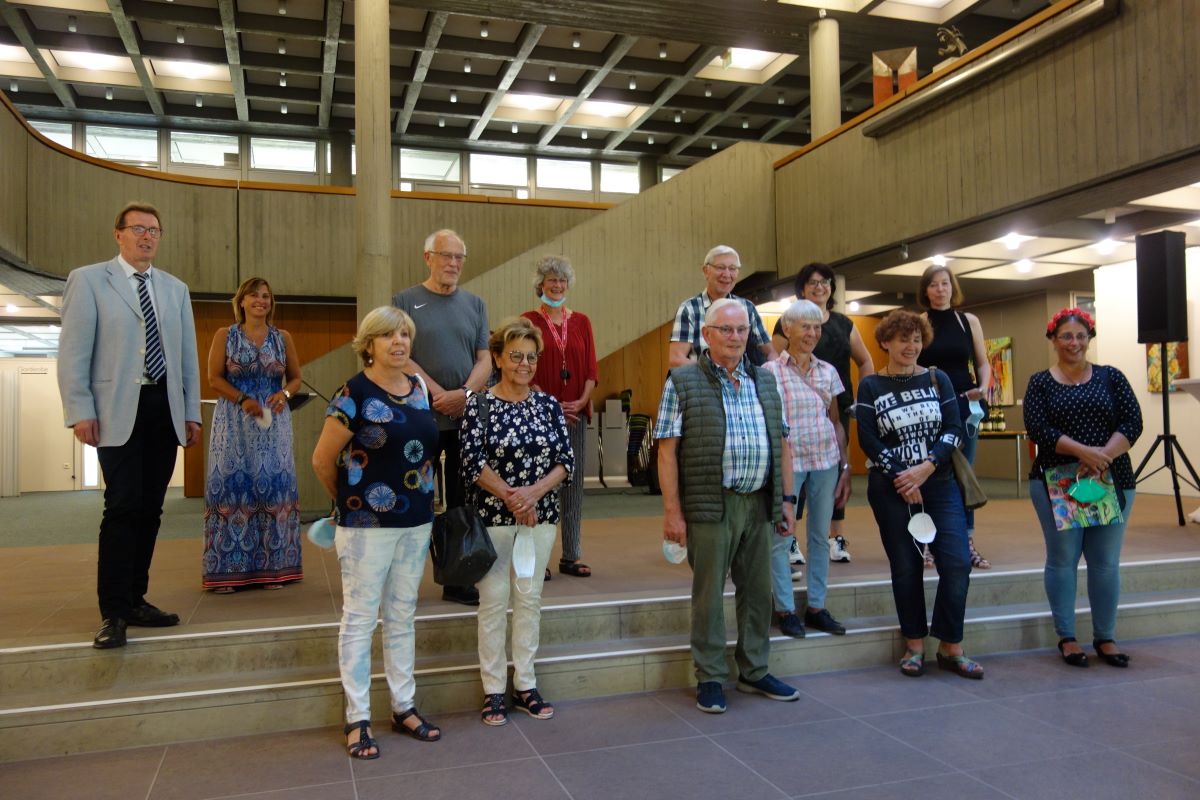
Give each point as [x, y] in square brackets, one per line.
[188, 687]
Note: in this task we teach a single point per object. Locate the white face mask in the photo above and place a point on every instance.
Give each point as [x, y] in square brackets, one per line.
[264, 421]
[674, 553]
[921, 527]
[974, 418]
[524, 559]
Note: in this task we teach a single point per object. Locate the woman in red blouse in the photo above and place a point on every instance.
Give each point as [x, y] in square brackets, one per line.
[566, 372]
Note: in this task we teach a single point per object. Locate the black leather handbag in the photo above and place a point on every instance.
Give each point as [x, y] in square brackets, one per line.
[460, 547]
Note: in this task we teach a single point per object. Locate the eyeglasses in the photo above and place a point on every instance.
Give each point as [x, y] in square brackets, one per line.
[814, 283]
[724, 267]
[459, 257]
[1067, 338]
[518, 357]
[731, 330]
[141, 230]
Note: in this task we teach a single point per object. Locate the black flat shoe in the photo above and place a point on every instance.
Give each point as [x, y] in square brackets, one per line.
[110, 635]
[426, 731]
[148, 616]
[1079, 659]
[1112, 659]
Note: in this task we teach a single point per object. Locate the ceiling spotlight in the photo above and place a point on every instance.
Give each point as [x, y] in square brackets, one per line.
[1106, 247]
[650, 140]
[714, 145]
[678, 117]
[199, 101]
[553, 74]
[283, 7]
[441, 122]
[11, 308]
[662, 49]
[1013, 240]
[780, 100]
[938, 261]
[108, 93]
[745, 123]
[283, 79]
[515, 128]
[281, 46]
[583, 134]
[13, 88]
[179, 37]
[821, 13]
[576, 40]
[453, 96]
[466, 65]
[483, 31]
[283, 108]
[853, 306]
[72, 24]
[632, 84]
[708, 90]
[1024, 265]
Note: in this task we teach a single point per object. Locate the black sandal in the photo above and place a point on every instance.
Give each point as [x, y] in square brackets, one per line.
[574, 568]
[1112, 659]
[365, 742]
[977, 560]
[493, 706]
[425, 732]
[1079, 659]
[532, 704]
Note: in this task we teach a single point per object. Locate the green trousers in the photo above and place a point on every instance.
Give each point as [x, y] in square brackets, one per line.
[738, 546]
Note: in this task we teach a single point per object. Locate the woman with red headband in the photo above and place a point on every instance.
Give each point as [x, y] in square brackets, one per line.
[1087, 416]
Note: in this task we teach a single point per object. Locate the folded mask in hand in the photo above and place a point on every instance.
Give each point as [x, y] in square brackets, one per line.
[921, 527]
[674, 553]
[321, 532]
[1086, 490]
[975, 417]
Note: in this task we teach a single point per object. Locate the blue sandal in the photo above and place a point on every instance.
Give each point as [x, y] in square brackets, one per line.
[960, 665]
[913, 664]
[532, 704]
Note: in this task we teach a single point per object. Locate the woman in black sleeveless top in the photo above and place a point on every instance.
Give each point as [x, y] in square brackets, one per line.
[958, 350]
[839, 343]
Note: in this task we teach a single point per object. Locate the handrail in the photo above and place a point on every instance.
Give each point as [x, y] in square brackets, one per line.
[978, 53]
[230, 183]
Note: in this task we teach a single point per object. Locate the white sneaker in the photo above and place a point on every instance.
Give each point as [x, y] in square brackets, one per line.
[794, 554]
[837, 549]
[797, 574]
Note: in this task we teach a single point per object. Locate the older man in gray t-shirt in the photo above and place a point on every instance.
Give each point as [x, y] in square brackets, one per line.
[451, 353]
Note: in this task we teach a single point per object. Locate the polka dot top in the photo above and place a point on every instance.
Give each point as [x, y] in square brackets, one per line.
[1088, 413]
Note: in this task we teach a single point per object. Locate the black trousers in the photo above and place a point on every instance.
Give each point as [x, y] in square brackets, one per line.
[136, 475]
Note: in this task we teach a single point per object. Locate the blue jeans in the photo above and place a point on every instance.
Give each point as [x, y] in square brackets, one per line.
[1101, 546]
[943, 502]
[820, 485]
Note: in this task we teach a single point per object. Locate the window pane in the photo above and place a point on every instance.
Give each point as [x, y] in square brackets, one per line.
[430, 165]
[670, 172]
[294, 155]
[130, 145]
[205, 149]
[619, 178]
[54, 131]
[499, 170]
[553, 173]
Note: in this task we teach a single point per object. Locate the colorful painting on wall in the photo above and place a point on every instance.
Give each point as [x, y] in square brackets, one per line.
[999, 353]
[1177, 366]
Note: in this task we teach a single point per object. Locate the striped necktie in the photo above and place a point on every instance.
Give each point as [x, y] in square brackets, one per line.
[156, 364]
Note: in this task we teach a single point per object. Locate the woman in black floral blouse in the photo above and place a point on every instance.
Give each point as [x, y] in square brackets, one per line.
[512, 472]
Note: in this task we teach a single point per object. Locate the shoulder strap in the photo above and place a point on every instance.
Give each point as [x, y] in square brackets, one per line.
[424, 388]
[933, 382]
[958, 315]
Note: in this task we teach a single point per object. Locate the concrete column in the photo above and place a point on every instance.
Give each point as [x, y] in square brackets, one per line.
[373, 139]
[340, 173]
[647, 172]
[824, 77]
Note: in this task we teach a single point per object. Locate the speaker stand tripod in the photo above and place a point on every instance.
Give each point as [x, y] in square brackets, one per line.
[1170, 444]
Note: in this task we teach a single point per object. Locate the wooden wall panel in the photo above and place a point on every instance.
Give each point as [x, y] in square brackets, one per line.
[1116, 96]
[14, 141]
[637, 261]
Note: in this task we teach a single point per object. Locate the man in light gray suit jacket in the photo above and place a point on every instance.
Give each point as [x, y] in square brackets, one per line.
[130, 384]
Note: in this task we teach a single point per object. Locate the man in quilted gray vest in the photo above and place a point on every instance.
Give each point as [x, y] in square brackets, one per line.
[726, 475]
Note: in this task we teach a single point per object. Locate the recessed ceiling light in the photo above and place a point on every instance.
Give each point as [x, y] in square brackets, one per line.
[11, 308]
[453, 96]
[72, 24]
[283, 108]
[13, 87]
[1013, 240]
[283, 7]
[632, 83]
[939, 261]
[583, 134]
[281, 46]
[1106, 247]
[515, 128]
[108, 93]
[714, 145]
[1024, 265]
[466, 65]
[780, 100]
[678, 116]
[745, 123]
[441, 122]
[853, 306]
[483, 29]
[662, 49]
[283, 79]
[553, 74]
[649, 140]
[576, 40]
[199, 101]
[179, 37]
[708, 90]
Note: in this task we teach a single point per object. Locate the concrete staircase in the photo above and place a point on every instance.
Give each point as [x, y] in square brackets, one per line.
[69, 698]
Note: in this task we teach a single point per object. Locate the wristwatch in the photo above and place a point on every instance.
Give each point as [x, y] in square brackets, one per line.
[790, 498]
[466, 392]
[844, 467]
[287, 394]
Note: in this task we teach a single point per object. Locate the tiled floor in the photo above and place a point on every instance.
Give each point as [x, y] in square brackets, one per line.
[1033, 728]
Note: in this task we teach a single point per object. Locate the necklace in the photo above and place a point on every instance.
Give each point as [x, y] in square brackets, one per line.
[902, 378]
[1084, 376]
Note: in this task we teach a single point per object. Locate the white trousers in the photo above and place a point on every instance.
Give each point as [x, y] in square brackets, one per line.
[495, 590]
[380, 567]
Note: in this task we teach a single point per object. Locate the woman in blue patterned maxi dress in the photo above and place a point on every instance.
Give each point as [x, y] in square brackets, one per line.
[251, 508]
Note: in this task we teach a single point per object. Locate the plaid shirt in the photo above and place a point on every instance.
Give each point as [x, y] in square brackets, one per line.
[746, 459]
[690, 317]
[806, 398]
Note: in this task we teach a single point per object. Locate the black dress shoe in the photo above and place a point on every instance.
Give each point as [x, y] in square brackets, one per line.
[148, 616]
[467, 595]
[111, 634]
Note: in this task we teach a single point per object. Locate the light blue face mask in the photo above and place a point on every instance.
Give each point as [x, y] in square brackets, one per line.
[552, 303]
[975, 417]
